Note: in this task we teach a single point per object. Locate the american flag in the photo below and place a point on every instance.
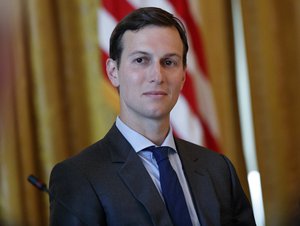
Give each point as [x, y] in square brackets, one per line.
[193, 117]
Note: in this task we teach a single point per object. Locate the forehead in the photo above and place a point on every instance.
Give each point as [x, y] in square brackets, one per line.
[153, 39]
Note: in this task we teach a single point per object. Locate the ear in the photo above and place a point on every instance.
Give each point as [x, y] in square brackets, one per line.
[112, 72]
[183, 79]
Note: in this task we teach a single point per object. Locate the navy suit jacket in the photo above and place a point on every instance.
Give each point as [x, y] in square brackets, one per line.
[107, 184]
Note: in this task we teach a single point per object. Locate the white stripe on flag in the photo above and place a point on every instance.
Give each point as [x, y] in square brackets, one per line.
[104, 32]
[186, 129]
[153, 3]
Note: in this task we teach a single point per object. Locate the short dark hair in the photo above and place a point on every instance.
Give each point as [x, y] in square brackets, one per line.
[139, 19]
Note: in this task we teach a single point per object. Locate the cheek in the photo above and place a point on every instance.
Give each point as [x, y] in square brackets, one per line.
[131, 78]
[179, 83]
[130, 83]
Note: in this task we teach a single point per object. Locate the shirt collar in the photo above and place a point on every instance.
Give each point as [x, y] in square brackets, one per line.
[138, 141]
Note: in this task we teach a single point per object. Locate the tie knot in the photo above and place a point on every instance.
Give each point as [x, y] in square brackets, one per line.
[160, 153]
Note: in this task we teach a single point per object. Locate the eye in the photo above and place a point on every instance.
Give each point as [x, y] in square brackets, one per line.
[141, 60]
[170, 62]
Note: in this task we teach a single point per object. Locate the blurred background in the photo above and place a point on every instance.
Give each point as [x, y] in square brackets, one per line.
[55, 98]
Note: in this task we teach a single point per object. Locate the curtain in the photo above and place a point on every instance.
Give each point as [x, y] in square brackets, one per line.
[54, 99]
[272, 31]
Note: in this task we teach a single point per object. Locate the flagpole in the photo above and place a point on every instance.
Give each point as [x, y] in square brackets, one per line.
[245, 113]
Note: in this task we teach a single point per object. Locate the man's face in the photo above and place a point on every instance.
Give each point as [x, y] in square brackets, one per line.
[151, 73]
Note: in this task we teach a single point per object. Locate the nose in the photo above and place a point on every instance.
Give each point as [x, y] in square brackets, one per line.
[156, 73]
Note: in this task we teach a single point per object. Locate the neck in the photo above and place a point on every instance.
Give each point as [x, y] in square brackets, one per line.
[154, 130]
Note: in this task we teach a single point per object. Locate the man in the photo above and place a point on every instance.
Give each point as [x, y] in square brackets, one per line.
[119, 180]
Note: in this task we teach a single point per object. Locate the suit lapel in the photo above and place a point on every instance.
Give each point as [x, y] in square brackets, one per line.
[201, 187]
[135, 176]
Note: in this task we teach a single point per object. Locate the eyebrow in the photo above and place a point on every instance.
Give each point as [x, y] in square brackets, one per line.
[139, 52]
[146, 53]
[173, 55]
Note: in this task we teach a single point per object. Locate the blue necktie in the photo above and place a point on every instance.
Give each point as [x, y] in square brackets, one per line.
[171, 188]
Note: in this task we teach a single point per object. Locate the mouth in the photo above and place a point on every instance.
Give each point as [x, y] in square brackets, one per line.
[155, 93]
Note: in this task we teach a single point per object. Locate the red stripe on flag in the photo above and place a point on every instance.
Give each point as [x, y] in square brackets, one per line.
[183, 11]
[117, 8]
[189, 92]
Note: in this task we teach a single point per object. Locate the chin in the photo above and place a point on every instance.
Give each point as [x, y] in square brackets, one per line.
[158, 115]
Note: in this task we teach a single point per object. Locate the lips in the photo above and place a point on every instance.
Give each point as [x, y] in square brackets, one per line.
[155, 93]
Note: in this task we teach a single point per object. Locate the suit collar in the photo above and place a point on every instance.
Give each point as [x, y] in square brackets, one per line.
[201, 186]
